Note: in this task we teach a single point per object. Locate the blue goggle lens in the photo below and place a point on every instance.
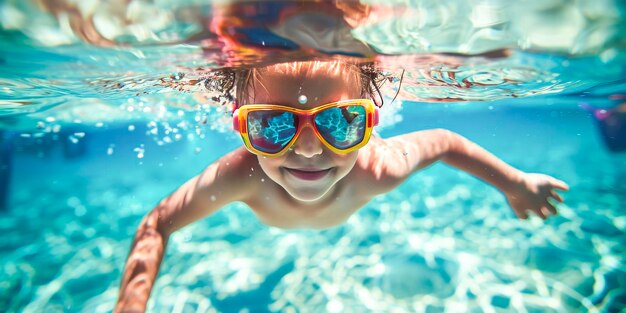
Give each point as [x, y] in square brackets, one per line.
[271, 131]
[342, 127]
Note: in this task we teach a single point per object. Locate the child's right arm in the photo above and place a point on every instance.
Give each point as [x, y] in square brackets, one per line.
[218, 185]
[405, 154]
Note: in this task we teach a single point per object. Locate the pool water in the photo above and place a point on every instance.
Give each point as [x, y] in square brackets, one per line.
[93, 136]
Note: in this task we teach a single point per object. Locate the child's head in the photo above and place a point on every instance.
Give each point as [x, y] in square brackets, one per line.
[309, 168]
[361, 76]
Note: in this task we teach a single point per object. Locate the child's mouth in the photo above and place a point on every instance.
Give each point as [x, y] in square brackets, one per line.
[308, 174]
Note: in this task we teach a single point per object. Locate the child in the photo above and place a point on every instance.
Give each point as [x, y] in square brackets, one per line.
[307, 163]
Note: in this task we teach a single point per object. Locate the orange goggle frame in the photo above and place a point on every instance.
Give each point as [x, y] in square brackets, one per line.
[305, 118]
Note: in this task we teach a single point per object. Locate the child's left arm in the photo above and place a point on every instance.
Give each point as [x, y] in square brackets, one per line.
[523, 191]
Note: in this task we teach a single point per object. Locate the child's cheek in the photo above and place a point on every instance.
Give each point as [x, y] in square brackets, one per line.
[271, 166]
[345, 163]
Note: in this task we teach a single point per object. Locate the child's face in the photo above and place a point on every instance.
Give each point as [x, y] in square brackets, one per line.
[309, 169]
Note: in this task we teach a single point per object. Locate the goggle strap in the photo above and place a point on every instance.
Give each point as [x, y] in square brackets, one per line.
[376, 117]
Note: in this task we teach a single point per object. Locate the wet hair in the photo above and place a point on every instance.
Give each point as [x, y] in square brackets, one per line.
[235, 85]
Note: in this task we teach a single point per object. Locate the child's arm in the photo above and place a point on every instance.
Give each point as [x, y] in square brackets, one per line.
[216, 186]
[523, 191]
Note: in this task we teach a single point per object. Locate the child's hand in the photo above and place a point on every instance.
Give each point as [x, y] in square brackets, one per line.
[532, 193]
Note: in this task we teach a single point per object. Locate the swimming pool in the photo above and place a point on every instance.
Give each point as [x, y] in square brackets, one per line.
[95, 136]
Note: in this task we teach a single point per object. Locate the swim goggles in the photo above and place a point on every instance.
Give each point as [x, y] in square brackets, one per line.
[270, 130]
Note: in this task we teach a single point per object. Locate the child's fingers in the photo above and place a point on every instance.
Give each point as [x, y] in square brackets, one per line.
[556, 196]
[540, 214]
[549, 209]
[559, 184]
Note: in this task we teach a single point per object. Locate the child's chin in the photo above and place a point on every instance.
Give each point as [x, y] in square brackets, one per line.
[308, 195]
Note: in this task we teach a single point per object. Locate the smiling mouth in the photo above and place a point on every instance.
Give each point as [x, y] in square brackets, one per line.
[308, 174]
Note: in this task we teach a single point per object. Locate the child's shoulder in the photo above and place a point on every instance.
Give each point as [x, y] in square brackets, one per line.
[233, 168]
[380, 166]
[237, 162]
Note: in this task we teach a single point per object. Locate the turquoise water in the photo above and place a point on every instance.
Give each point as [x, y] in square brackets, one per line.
[94, 137]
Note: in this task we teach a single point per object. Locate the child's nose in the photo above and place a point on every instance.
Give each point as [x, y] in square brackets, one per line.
[307, 144]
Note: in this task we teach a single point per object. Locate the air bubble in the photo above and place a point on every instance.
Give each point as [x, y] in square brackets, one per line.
[73, 139]
[140, 151]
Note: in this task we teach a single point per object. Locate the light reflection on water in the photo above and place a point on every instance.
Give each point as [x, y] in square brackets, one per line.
[137, 105]
[142, 44]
